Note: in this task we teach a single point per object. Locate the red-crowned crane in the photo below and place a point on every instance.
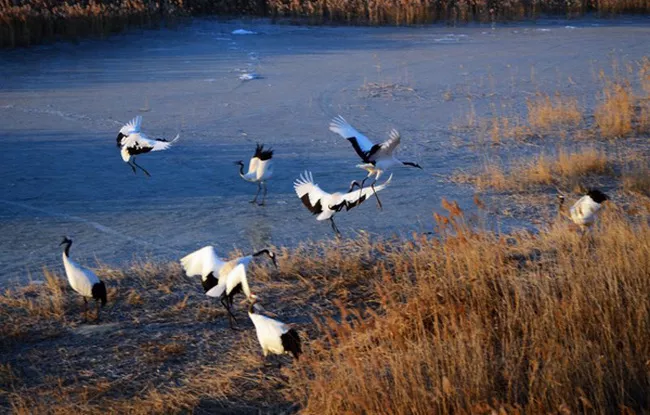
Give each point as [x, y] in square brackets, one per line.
[222, 279]
[133, 142]
[260, 169]
[83, 280]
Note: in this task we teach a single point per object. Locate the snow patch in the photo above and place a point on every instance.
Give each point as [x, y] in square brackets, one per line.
[243, 32]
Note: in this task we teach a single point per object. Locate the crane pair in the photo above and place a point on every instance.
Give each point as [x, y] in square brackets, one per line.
[376, 158]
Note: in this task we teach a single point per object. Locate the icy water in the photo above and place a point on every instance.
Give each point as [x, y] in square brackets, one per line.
[62, 105]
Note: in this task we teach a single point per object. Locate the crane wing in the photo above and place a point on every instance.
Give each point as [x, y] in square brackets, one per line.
[132, 126]
[139, 143]
[361, 144]
[356, 197]
[252, 166]
[264, 168]
[268, 326]
[202, 262]
[311, 195]
[238, 276]
[388, 146]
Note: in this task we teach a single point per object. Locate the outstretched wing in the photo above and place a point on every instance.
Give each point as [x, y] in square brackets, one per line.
[311, 195]
[202, 262]
[356, 197]
[388, 146]
[132, 126]
[361, 144]
[138, 143]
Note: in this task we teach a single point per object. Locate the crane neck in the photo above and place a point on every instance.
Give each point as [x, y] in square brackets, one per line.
[241, 169]
[66, 250]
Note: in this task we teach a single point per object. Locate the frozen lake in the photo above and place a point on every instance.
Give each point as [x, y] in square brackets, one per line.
[61, 107]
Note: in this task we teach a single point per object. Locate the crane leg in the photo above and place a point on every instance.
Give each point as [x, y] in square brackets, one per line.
[259, 188]
[377, 197]
[97, 308]
[85, 308]
[141, 168]
[231, 317]
[264, 195]
[338, 233]
[132, 167]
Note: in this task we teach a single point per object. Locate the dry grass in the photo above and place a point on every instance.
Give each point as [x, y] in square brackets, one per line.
[546, 114]
[624, 109]
[636, 179]
[27, 22]
[566, 169]
[614, 115]
[476, 323]
[468, 321]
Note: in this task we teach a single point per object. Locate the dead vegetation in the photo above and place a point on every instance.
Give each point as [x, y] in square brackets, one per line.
[467, 321]
[477, 323]
[566, 168]
[27, 22]
[548, 113]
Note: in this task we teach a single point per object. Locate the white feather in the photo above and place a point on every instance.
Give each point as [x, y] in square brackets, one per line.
[341, 127]
[329, 201]
[132, 126]
[202, 262]
[81, 279]
[268, 333]
[584, 211]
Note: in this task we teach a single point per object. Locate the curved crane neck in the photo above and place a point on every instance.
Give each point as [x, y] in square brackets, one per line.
[66, 250]
[241, 169]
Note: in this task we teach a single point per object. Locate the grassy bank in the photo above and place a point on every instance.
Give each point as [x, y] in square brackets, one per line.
[467, 321]
[26, 22]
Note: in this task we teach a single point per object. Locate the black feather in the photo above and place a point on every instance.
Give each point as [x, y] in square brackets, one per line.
[99, 292]
[291, 343]
[209, 282]
[262, 154]
[597, 196]
[137, 149]
[120, 136]
[315, 209]
[348, 205]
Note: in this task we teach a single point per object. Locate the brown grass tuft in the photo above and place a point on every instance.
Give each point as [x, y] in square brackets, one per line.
[636, 179]
[614, 115]
[566, 169]
[546, 114]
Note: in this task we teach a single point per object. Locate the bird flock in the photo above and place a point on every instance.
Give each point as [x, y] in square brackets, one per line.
[224, 279]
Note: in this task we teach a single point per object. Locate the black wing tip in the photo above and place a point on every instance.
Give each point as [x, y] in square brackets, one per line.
[99, 292]
[262, 154]
[291, 343]
[315, 209]
[597, 196]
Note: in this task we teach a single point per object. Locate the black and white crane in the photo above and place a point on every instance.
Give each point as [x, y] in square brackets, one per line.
[583, 212]
[326, 205]
[260, 169]
[83, 280]
[274, 336]
[376, 158]
[222, 279]
[132, 142]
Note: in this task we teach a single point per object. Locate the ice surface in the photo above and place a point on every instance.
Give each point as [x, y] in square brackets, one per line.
[61, 107]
